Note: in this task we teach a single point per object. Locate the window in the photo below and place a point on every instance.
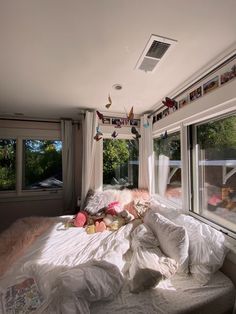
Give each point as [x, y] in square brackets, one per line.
[168, 167]
[42, 164]
[39, 166]
[214, 170]
[120, 163]
[7, 164]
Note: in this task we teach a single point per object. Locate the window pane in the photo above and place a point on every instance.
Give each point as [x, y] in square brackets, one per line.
[168, 167]
[215, 164]
[7, 165]
[42, 164]
[120, 163]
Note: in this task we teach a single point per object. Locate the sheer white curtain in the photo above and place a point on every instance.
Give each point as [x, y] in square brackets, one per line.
[89, 154]
[163, 173]
[146, 156]
[67, 164]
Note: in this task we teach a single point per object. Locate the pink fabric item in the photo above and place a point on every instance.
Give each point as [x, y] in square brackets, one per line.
[114, 208]
[80, 219]
[19, 236]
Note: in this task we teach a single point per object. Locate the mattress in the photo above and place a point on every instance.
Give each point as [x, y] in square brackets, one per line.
[59, 249]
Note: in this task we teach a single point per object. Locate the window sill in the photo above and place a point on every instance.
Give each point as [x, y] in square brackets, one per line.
[30, 195]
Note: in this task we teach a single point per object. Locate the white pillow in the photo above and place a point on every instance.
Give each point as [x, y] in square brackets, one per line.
[148, 264]
[207, 248]
[174, 241]
[158, 207]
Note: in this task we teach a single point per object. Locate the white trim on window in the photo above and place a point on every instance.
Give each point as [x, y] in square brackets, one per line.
[25, 130]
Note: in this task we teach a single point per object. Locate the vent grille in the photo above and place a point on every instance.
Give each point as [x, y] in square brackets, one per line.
[155, 49]
[148, 64]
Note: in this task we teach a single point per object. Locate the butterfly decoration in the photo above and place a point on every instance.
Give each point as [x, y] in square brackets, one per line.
[114, 134]
[98, 131]
[100, 116]
[98, 135]
[135, 132]
[109, 102]
[168, 102]
[164, 136]
[130, 115]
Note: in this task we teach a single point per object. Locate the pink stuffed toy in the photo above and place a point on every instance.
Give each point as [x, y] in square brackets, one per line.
[100, 226]
[80, 219]
[114, 208]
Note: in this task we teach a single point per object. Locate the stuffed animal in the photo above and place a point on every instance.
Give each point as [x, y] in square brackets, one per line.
[117, 223]
[126, 215]
[80, 219]
[100, 226]
[114, 208]
[90, 229]
[108, 220]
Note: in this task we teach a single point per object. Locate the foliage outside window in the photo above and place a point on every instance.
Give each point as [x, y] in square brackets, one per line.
[120, 163]
[168, 167]
[7, 164]
[214, 166]
[42, 164]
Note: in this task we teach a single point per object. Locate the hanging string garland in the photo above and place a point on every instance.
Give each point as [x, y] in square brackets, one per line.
[119, 122]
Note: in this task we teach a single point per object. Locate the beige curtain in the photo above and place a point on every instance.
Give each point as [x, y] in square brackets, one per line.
[68, 165]
[146, 156]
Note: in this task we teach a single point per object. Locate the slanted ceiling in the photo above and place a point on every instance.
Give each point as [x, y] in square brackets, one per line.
[58, 56]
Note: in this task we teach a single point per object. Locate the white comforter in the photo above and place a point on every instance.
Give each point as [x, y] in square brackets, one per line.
[90, 266]
[91, 259]
[75, 289]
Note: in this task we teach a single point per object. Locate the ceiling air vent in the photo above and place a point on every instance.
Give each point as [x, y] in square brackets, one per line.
[153, 53]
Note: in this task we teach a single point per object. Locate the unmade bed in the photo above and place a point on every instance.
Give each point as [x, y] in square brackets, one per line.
[62, 250]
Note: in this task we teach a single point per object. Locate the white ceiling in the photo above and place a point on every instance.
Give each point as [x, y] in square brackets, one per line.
[58, 56]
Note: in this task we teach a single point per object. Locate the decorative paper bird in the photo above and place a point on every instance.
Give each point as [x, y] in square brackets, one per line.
[97, 137]
[114, 134]
[100, 116]
[130, 115]
[109, 102]
[168, 102]
[98, 131]
[164, 136]
[135, 132]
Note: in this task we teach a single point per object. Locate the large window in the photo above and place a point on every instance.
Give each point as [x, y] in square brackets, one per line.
[168, 167]
[7, 164]
[214, 170]
[30, 164]
[42, 164]
[120, 163]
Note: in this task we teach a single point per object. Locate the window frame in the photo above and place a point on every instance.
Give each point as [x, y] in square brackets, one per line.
[170, 130]
[211, 106]
[20, 134]
[124, 134]
[195, 201]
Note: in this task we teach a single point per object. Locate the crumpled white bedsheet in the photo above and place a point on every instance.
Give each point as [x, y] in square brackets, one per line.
[75, 289]
[58, 251]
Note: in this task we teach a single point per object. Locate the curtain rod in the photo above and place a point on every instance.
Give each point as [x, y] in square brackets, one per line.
[197, 81]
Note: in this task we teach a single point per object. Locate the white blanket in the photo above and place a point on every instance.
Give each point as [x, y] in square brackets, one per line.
[75, 289]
